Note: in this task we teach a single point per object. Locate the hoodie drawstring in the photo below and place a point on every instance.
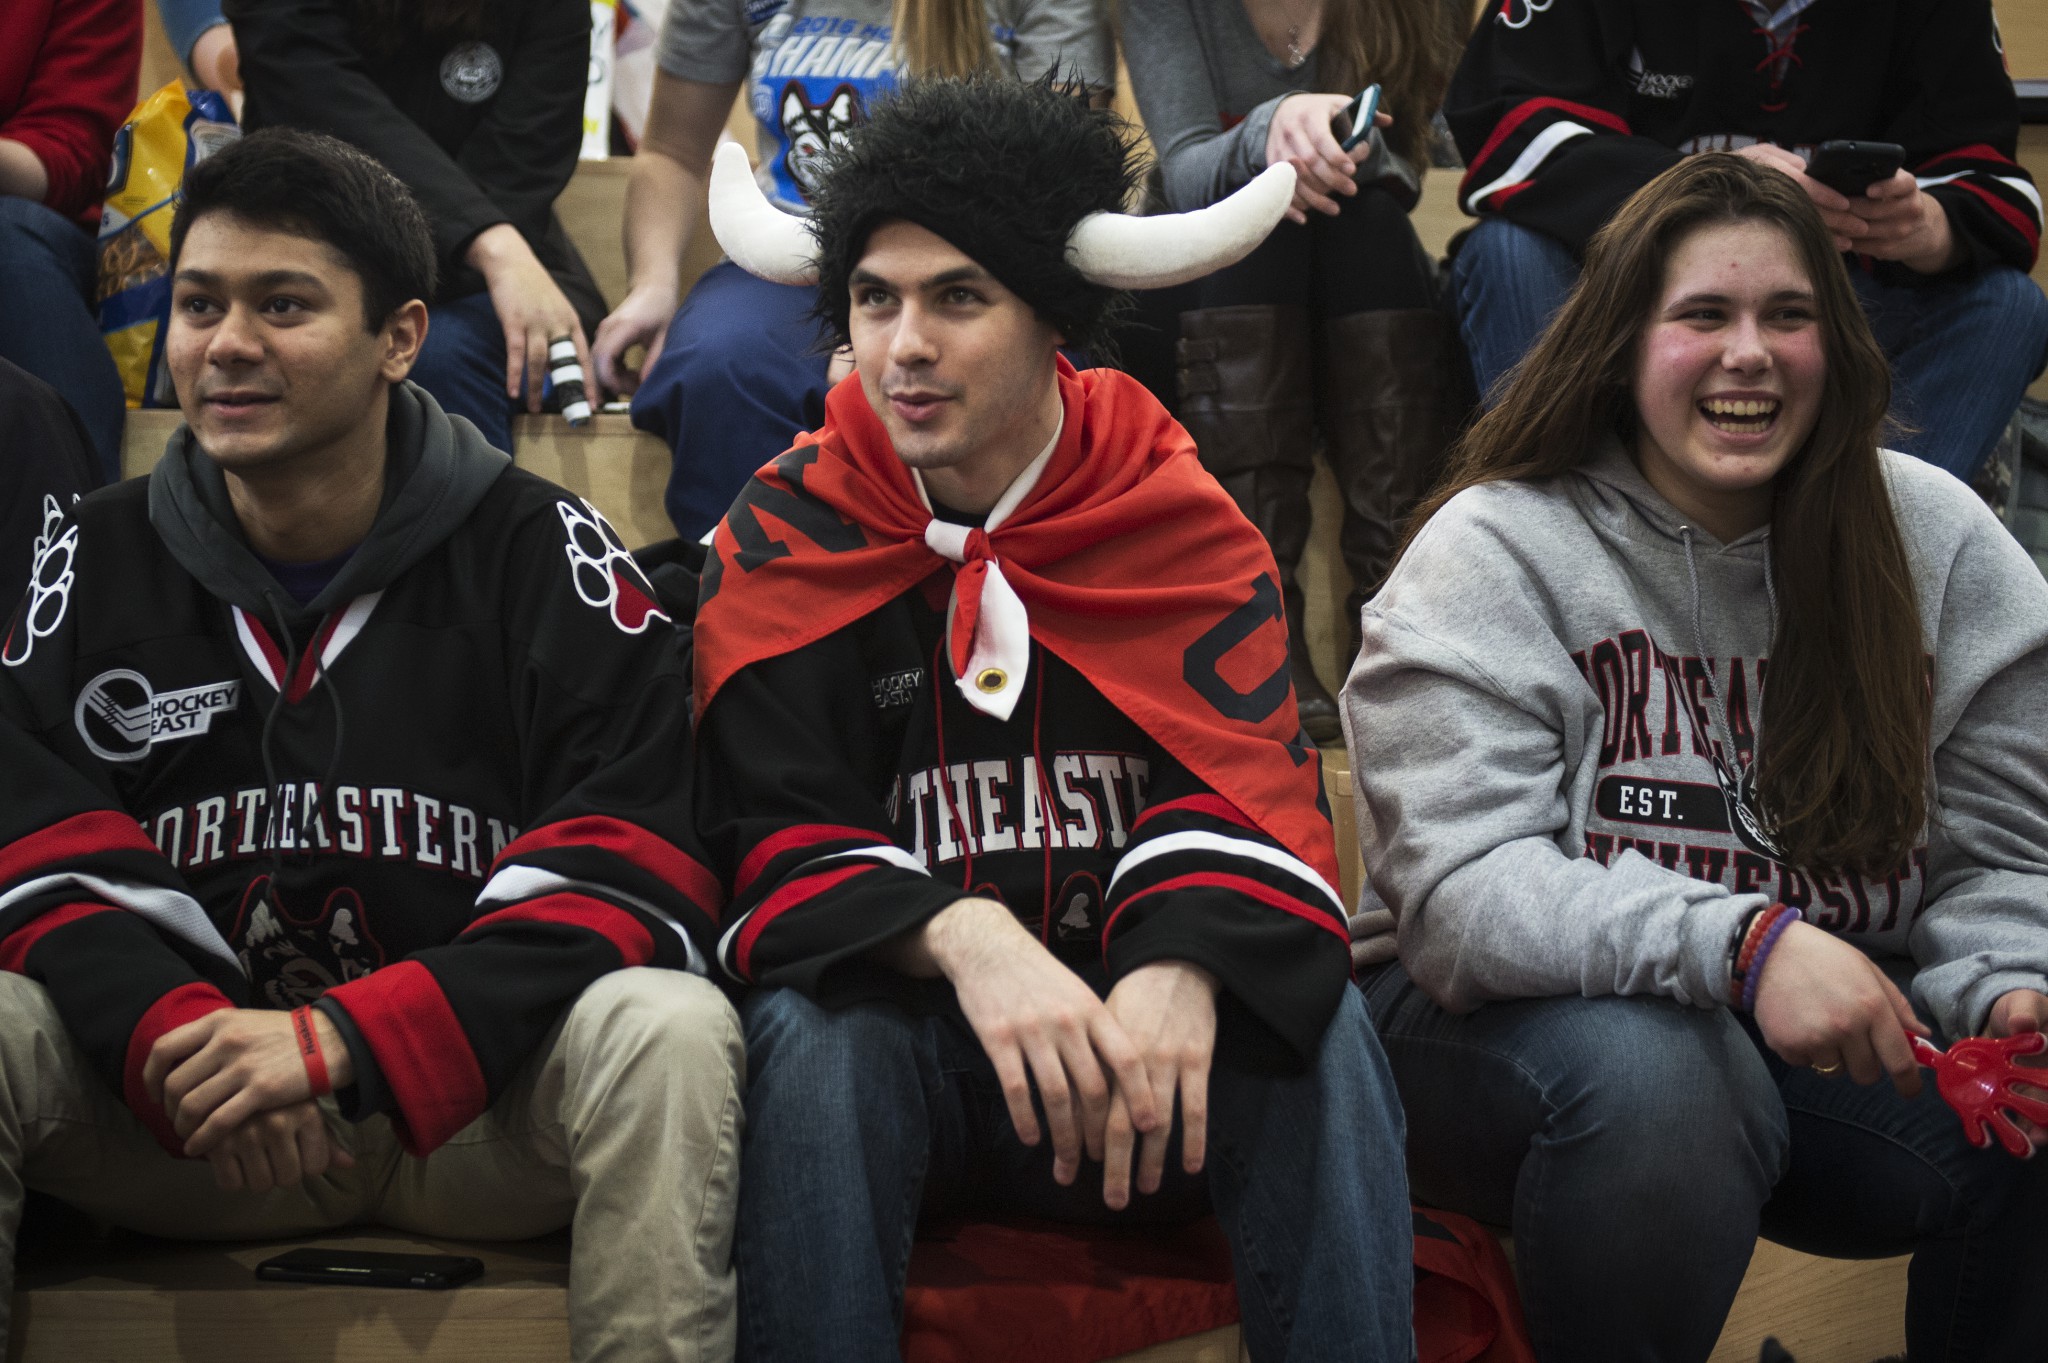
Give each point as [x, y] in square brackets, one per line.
[1725, 733]
[274, 822]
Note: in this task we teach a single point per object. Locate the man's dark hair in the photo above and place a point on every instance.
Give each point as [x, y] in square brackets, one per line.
[317, 186]
[1002, 169]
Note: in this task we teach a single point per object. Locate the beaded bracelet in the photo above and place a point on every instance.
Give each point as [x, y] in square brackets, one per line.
[1754, 977]
[1758, 926]
[309, 1052]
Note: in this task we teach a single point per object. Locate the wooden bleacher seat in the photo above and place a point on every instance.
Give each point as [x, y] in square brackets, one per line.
[132, 1298]
[141, 1299]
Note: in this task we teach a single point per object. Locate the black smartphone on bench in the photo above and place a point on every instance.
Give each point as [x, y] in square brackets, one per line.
[1849, 168]
[370, 1268]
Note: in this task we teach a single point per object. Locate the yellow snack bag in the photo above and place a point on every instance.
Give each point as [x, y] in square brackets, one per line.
[169, 132]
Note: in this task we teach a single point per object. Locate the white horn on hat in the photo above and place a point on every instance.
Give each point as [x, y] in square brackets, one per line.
[761, 238]
[1120, 251]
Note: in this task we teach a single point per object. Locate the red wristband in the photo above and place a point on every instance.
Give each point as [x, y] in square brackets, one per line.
[1759, 927]
[309, 1051]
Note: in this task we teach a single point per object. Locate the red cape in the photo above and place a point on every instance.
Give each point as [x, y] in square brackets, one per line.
[1135, 566]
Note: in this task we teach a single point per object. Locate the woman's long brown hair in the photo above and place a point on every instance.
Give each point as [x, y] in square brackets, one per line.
[1409, 46]
[1841, 775]
[942, 37]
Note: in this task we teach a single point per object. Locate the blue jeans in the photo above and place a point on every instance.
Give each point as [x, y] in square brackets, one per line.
[49, 272]
[1638, 1147]
[1963, 350]
[858, 1118]
[463, 365]
[741, 373]
[1963, 347]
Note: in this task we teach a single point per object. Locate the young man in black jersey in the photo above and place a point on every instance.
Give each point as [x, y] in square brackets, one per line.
[998, 748]
[343, 761]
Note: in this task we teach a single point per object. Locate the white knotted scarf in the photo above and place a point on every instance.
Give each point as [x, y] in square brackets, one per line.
[1000, 653]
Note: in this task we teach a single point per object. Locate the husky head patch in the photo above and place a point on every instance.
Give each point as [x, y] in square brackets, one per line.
[812, 130]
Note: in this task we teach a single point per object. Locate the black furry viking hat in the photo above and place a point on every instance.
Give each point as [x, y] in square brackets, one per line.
[1024, 178]
[1001, 169]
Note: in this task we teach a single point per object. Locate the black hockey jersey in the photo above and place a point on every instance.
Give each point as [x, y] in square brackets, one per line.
[1564, 108]
[441, 799]
[848, 799]
[48, 465]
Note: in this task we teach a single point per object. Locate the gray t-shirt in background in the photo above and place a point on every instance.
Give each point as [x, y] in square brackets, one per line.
[814, 67]
[1207, 87]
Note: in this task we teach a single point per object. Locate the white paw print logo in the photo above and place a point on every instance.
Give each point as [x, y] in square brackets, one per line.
[1530, 9]
[49, 587]
[605, 575]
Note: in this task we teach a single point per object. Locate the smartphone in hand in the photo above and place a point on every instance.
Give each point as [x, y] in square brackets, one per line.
[1849, 168]
[1353, 123]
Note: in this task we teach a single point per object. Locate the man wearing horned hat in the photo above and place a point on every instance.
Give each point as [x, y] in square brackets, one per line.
[997, 745]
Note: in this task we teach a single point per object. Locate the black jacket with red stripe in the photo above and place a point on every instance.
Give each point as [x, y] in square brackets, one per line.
[464, 807]
[848, 800]
[1564, 108]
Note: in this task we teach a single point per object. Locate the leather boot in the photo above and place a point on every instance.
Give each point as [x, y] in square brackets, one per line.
[1245, 397]
[1388, 408]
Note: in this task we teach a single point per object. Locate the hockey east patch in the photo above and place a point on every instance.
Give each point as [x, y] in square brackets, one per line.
[121, 716]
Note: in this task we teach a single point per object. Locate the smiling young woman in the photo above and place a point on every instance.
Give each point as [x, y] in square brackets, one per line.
[1695, 733]
[1847, 706]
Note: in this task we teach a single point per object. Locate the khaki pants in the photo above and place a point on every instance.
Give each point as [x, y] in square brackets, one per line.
[625, 1125]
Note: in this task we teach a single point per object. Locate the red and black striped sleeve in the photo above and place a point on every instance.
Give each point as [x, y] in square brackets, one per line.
[1957, 115]
[88, 907]
[793, 775]
[608, 873]
[1539, 109]
[91, 911]
[1200, 882]
[1992, 203]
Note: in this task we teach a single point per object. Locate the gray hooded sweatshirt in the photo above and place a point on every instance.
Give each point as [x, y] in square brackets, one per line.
[1553, 722]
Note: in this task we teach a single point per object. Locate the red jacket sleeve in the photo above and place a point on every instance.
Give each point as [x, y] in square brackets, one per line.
[81, 85]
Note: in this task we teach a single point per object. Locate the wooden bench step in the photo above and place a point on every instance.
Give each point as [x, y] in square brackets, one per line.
[134, 1298]
[142, 1299]
[1822, 1310]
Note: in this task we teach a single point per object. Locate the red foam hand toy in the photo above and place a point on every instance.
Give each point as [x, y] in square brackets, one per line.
[1980, 1076]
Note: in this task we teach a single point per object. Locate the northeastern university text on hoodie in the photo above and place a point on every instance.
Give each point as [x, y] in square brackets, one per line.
[436, 802]
[1554, 721]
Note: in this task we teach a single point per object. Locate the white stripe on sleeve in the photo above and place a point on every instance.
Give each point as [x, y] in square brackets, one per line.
[1198, 841]
[1533, 155]
[517, 884]
[173, 912]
